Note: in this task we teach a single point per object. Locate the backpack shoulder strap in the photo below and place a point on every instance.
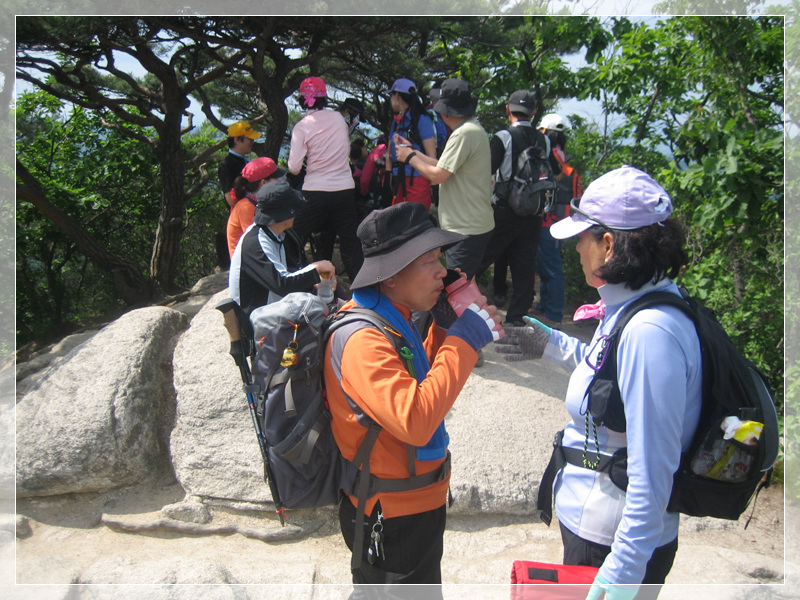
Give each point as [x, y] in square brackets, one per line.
[365, 482]
[648, 301]
[603, 395]
[358, 313]
[521, 140]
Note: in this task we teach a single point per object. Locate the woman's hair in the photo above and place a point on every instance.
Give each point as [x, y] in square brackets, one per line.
[414, 103]
[241, 186]
[319, 102]
[643, 255]
[557, 138]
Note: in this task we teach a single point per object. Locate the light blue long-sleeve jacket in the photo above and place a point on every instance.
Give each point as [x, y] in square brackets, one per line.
[660, 379]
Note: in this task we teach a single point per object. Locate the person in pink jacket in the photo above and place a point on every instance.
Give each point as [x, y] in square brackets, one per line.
[375, 163]
[320, 139]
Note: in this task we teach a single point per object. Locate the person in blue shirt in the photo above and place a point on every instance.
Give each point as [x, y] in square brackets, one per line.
[413, 124]
[628, 246]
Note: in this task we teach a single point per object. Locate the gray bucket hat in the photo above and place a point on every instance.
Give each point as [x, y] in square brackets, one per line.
[392, 238]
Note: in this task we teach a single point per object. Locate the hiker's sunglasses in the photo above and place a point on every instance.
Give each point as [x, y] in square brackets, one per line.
[574, 206]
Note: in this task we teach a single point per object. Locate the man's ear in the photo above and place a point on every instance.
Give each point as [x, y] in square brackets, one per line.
[389, 283]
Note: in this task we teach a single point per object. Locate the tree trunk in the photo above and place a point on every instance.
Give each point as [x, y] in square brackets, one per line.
[130, 284]
[164, 260]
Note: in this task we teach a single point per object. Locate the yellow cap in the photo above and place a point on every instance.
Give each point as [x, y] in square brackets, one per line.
[243, 128]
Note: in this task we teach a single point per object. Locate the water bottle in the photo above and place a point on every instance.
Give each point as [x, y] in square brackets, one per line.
[325, 289]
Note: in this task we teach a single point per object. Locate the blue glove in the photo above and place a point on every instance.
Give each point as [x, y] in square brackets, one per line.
[474, 327]
[612, 592]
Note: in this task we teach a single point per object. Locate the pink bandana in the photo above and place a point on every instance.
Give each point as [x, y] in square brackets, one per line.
[590, 311]
[312, 88]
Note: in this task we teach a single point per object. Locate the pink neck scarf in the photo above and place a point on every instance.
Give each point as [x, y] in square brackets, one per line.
[590, 311]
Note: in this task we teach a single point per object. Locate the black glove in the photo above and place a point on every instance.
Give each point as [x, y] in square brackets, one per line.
[524, 343]
[443, 314]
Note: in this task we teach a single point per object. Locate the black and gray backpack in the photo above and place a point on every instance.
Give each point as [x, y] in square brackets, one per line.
[305, 468]
[533, 187]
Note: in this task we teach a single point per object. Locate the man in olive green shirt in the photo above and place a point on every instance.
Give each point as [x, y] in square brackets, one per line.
[464, 175]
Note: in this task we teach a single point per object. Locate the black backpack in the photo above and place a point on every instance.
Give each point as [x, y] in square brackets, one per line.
[716, 477]
[305, 468]
[532, 190]
[439, 132]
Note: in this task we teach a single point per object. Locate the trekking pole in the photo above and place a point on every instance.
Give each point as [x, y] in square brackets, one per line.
[232, 315]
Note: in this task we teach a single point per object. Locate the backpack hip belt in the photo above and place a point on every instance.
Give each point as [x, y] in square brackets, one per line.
[614, 465]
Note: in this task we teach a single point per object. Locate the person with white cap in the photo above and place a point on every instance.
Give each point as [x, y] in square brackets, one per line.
[406, 395]
[628, 246]
[549, 263]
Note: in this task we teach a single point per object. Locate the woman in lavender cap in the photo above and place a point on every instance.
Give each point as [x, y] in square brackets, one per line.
[628, 246]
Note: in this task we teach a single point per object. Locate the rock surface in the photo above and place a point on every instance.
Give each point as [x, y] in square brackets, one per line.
[99, 419]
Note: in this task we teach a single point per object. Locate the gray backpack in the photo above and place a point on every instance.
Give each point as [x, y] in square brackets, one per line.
[531, 191]
[305, 467]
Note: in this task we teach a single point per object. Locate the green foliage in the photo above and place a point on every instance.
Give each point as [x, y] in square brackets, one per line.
[102, 179]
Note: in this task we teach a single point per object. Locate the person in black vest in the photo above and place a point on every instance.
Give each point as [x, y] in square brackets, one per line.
[241, 138]
[517, 237]
[269, 261]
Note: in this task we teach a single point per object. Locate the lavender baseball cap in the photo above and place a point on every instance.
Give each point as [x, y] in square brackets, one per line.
[625, 198]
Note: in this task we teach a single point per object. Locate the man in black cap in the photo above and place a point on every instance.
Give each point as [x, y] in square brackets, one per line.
[463, 173]
[406, 394]
[515, 239]
[269, 261]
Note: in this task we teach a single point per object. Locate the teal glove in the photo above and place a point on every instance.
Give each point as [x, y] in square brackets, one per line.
[612, 592]
[537, 323]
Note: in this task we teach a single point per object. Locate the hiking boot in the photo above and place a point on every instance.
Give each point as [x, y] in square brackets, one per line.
[514, 323]
[499, 300]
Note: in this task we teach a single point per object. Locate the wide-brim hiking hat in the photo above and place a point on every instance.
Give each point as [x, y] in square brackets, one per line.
[277, 201]
[312, 88]
[552, 122]
[392, 238]
[523, 101]
[242, 128]
[625, 198]
[404, 86]
[454, 98]
[260, 168]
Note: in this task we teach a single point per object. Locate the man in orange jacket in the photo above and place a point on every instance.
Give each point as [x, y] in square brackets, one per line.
[408, 397]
